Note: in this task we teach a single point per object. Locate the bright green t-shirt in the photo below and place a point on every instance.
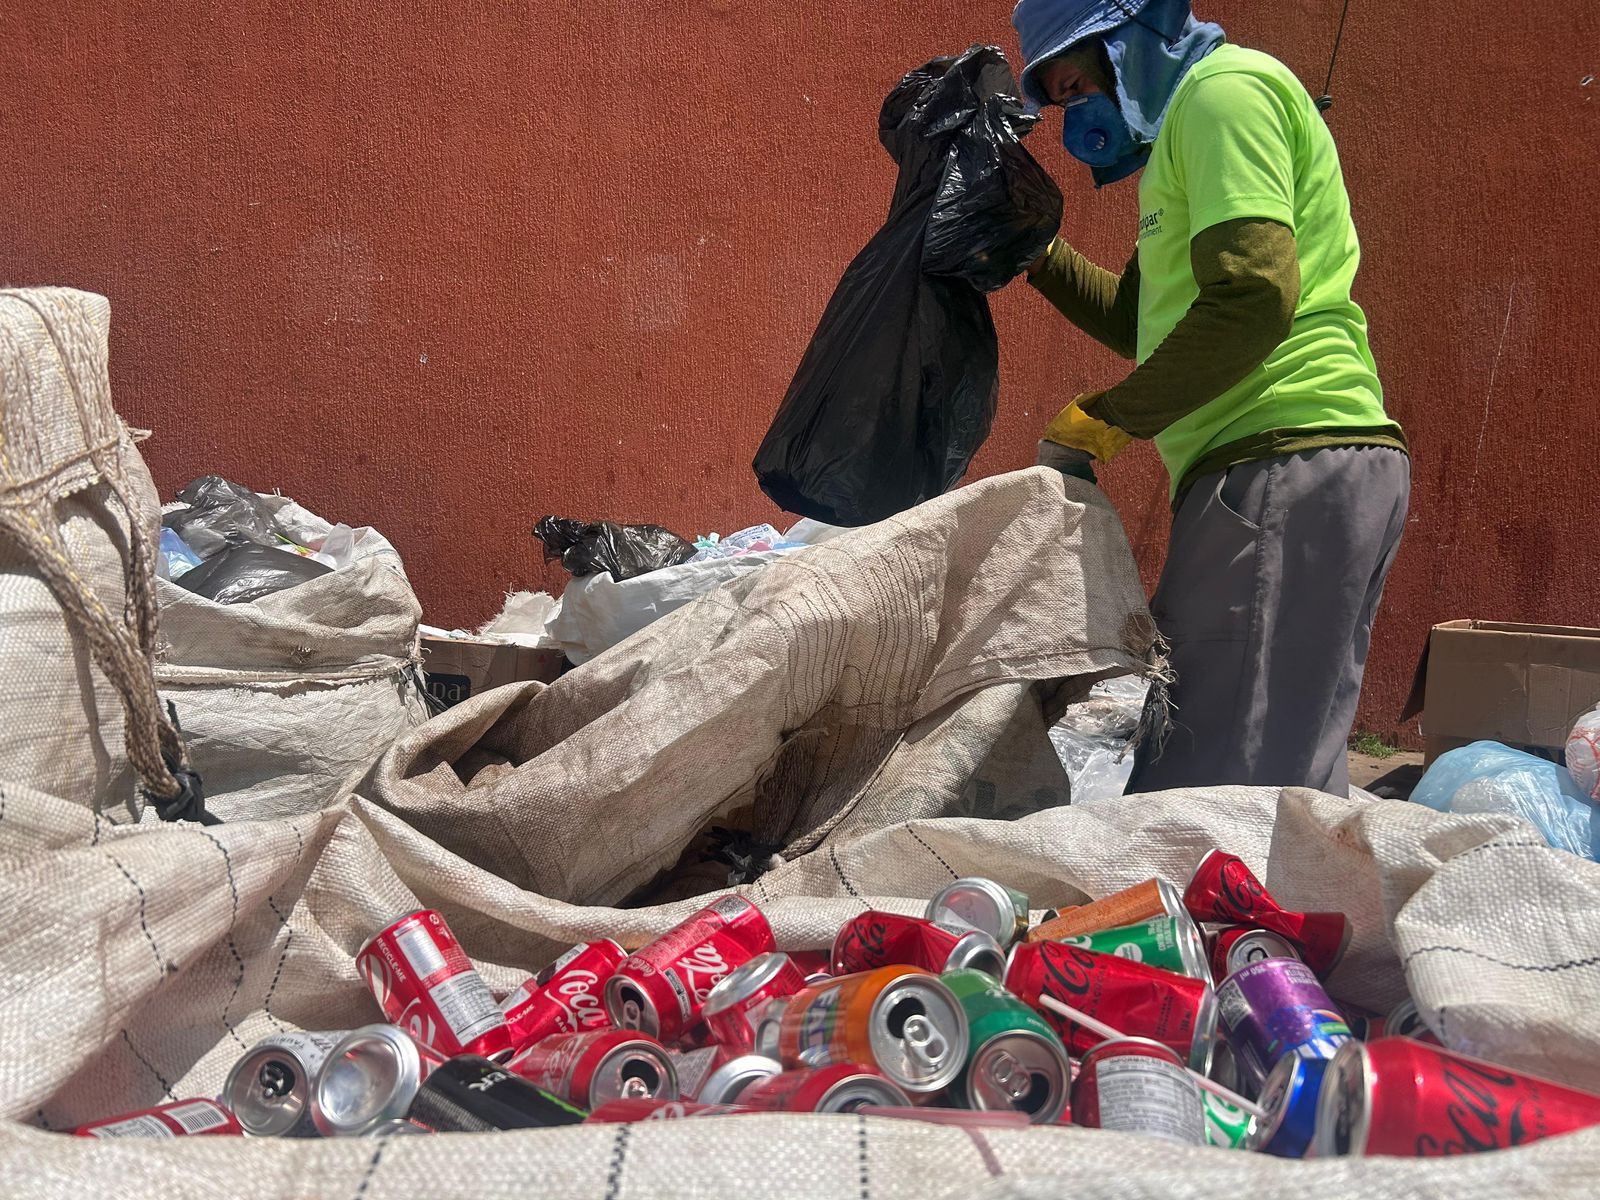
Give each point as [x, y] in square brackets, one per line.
[1242, 139]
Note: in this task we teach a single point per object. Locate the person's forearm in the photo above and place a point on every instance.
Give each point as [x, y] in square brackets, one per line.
[1102, 304]
[1249, 276]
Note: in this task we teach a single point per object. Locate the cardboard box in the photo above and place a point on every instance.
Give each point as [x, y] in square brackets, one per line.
[1523, 685]
[457, 668]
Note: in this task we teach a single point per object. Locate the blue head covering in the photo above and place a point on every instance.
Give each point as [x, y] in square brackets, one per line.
[1151, 44]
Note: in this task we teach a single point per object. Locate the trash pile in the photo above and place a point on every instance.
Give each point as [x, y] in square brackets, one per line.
[1561, 799]
[628, 576]
[1197, 1017]
[273, 619]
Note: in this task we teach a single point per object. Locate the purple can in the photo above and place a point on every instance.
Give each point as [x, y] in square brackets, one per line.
[1274, 1007]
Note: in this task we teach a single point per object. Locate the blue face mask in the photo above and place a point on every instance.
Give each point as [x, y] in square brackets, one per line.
[1093, 131]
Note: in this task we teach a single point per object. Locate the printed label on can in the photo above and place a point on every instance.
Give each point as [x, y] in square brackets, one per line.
[816, 1028]
[679, 992]
[310, 1047]
[134, 1127]
[467, 1005]
[1145, 1095]
[1232, 1006]
[198, 1117]
[546, 975]
[420, 951]
[730, 908]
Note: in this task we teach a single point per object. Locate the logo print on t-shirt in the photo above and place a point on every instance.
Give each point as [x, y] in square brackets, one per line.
[1150, 223]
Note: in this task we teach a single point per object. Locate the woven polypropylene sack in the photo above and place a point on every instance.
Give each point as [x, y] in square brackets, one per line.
[61, 719]
[141, 962]
[862, 681]
[287, 702]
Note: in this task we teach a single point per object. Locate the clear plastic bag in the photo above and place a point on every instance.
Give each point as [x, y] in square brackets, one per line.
[1490, 777]
[1092, 738]
[175, 557]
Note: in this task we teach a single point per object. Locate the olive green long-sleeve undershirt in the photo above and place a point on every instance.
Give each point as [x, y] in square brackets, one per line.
[1249, 277]
[1248, 273]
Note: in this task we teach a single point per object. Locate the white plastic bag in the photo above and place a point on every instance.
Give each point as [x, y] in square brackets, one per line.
[1583, 754]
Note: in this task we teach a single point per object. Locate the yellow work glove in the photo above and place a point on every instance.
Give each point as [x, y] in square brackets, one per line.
[1076, 428]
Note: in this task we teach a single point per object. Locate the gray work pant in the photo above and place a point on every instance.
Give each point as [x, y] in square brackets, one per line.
[1272, 578]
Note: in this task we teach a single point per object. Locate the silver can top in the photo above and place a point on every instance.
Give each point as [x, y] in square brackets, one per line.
[1256, 945]
[268, 1091]
[396, 1128]
[743, 982]
[371, 1076]
[1275, 1097]
[629, 1007]
[858, 1091]
[983, 904]
[1404, 1020]
[918, 1033]
[634, 1070]
[769, 1026]
[1205, 1032]
[1344, 1108]
[978, 951]
[1191, 948]
[724, 1085]
[1021, 1071]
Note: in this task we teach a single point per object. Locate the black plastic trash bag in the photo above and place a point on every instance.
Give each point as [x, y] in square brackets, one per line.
[220, 514]
[897, 390]
[626, 551]
[248, 572]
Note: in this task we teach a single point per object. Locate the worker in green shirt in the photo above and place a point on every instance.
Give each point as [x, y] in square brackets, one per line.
[1289, 482]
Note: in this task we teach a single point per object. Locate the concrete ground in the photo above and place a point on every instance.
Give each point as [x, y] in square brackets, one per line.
[1393, 776]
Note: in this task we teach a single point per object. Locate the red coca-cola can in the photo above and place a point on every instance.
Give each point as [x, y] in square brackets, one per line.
[183, 1118]
[1225, 891]
[1400, 1097]
[1240, 945]
[843, 1087]
[881, 939]
[733, 1008]
[426, 985]
[812, 964]
[1136, 999]
[1135, 1085]
[631, 1112]
[661, 989]
[588, 1069]
[568, 996]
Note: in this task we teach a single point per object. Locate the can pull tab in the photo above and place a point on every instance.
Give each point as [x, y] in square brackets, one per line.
[924, 1044]
[1009, 1076]
[635, 1088]
[632, 1015]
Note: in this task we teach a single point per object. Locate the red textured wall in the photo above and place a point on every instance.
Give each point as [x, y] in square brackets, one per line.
[443, 268]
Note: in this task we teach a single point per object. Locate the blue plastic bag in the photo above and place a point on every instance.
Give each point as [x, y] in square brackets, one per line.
[176, 557]
[1489, 777]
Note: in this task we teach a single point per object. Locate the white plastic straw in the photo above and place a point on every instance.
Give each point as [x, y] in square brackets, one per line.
[1101, 1029]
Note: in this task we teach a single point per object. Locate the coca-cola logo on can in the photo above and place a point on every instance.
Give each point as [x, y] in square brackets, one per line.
[1484, 1113]
[1069, 969]
[702, 968]
[379, 977]
[1240, 887]
[419, 1023]
[864, 941]
[578, 996]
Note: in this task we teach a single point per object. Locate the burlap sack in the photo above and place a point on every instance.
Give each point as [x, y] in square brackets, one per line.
[73, 494]
[141, 962]
[897, 671]
[288, 701]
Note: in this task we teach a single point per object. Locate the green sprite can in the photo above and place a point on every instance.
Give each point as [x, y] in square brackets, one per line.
[1226, 1124]
[1171, 943]
[1015, 1060]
